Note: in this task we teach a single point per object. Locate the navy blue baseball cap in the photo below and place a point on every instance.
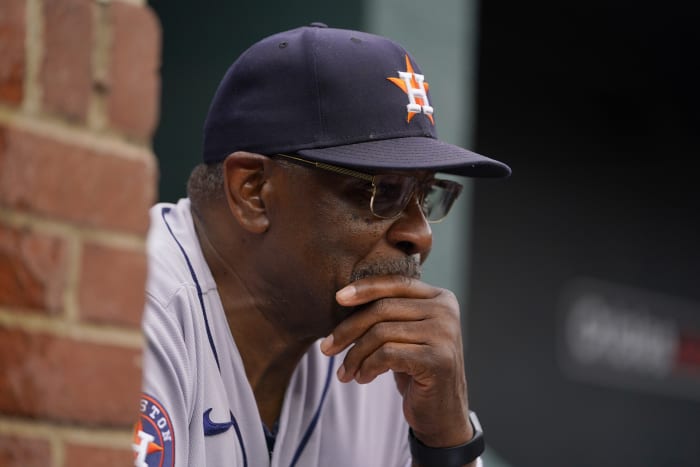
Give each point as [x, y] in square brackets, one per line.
[337, 96]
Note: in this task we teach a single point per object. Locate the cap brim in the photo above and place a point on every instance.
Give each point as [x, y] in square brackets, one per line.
[410, 153]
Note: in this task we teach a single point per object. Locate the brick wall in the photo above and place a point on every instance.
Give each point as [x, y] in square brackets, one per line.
[79, 89]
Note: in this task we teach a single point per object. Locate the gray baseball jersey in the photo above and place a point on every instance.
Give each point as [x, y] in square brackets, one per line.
[197, 407]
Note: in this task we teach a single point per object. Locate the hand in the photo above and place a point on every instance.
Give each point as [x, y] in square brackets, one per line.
[412, 328]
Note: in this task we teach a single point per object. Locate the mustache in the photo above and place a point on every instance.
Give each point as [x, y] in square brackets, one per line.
[408, 266]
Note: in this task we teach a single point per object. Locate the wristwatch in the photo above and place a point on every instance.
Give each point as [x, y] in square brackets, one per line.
[456, 456]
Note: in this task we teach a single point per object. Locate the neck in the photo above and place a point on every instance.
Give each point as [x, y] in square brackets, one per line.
[269, 353]
[269, 363]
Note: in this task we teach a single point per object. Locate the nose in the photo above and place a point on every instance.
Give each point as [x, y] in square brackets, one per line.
[411, 232]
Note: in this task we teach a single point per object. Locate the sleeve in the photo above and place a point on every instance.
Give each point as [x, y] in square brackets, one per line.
[162, 433]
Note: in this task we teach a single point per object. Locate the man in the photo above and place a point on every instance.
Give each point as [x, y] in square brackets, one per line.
[286, 321]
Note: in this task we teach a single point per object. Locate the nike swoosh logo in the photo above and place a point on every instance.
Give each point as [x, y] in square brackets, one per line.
[214, 428]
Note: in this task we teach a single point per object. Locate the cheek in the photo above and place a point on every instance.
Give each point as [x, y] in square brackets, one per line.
[332, 233]
[342, 240]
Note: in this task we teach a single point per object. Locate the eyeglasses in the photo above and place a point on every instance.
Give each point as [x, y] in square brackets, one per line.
[392, 192]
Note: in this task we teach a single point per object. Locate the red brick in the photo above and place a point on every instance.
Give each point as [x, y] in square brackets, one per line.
[33, 269]
[12, 55]
[66, 380]
[66, 73]
[134, 70]
[80, 455]
[76, 183]
[112, 285]
[16, 451]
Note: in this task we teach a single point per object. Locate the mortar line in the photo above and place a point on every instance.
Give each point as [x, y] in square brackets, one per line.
[51, 431]
[126, 241]
[34, 52]
[105, 141]
[33, 322]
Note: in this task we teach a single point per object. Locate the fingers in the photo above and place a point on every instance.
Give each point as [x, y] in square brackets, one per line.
[385, 346]
[374, 288]
[393, 356]
[400, 324]
[412, 328]
[379, 313]
[422, 361]
[378, 299]
[388, 299]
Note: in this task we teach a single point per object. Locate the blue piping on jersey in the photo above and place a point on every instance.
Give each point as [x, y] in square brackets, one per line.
[240, 439]
[165, 211]
[314, 420]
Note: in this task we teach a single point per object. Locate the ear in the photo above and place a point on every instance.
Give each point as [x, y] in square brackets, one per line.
[245, 179]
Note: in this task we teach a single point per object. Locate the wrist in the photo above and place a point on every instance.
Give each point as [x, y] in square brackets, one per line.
[455, 456]
[459, 432]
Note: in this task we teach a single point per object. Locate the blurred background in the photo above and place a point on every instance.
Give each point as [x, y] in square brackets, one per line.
[585, 309]
[579, 276]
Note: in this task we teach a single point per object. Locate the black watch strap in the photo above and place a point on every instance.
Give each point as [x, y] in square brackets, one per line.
[456, 456]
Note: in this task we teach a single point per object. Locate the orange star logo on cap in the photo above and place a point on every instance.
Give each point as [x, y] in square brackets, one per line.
[415, 87]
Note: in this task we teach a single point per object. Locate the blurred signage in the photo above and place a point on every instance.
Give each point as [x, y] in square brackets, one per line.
[634, 339]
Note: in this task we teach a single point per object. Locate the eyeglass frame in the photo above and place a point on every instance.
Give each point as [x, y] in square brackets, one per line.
[458, 187]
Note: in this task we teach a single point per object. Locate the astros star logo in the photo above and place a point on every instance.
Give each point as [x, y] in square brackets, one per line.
[143, 445]
[153, 443]
[414, 85]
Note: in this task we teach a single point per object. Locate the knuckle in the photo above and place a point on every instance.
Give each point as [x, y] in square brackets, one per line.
[387, 351]
[356, 354]
[382, 307]
[449, 298]
[381, 331]
[450, 304]
[450, 295]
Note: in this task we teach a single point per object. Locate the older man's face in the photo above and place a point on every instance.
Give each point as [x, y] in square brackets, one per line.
[322, 236]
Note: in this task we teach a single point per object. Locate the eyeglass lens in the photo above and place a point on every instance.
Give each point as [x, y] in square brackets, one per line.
[439, 199]
[393, 192]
